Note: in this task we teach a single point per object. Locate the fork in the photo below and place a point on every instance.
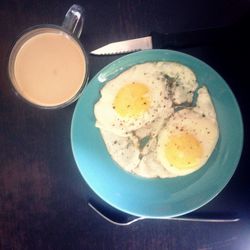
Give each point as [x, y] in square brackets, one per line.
[120, 218]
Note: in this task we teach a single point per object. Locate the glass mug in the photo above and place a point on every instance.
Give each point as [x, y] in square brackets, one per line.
[48, 66]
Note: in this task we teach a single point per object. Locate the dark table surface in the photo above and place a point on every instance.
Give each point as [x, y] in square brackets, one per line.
[43, 198]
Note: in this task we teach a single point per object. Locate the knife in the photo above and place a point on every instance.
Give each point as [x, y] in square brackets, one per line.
[158, 40]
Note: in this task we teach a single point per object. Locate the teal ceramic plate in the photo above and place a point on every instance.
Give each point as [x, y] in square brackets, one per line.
[156, 198]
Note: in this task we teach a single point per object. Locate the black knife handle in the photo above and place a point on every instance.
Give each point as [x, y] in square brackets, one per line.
[190, 38]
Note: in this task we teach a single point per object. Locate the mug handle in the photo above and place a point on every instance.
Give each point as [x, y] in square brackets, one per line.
[74, 19]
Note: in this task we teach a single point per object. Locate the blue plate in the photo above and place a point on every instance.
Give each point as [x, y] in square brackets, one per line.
[156, 198]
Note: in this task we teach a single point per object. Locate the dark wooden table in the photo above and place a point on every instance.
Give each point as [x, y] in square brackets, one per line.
[43, 198]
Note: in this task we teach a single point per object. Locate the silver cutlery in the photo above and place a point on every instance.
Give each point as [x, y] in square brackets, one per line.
[120, 218]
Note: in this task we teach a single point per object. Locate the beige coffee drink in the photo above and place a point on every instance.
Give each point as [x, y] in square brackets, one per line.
[48, 67]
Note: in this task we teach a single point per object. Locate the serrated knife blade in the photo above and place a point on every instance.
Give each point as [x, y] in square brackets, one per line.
[167, 41]
[125, 46]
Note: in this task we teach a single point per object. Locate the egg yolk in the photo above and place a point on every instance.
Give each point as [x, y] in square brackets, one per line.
[183, 151]
[132, 100]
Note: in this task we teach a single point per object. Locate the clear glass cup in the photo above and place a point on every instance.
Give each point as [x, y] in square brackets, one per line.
[48, 66]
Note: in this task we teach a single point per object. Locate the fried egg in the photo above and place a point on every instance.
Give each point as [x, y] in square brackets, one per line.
[189, 138]
[149, 124]
[132, 100]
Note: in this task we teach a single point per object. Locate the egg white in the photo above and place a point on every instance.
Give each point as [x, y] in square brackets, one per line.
[180, 80]
[150, 167]
[123, 150]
